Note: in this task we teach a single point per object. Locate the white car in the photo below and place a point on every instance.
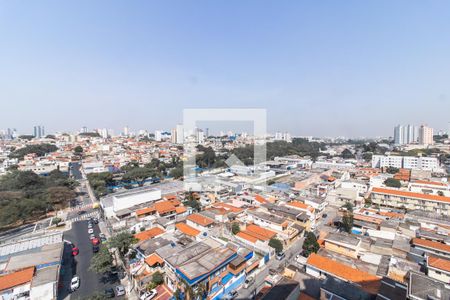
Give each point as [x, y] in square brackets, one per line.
[75, 283]
[90, 230]
[120, 290]
[148, 295]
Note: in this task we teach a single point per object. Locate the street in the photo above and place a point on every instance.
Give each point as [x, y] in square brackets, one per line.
[79, 265]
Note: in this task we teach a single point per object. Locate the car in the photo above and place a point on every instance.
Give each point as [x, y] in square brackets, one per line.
[74, 283]
[281, 255]
[120, 290]
[90, 230]
[95, 220]
[109, 293]
[90, 225]
[272, 272]
[232, 295]
[81, 212]
[95, 248]
[249, 281]
[148, 295]
[102, 237]
[95, 241]
[75, 251]
[92, 236]
[324, 216]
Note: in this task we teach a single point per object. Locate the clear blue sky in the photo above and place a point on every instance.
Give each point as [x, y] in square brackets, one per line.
[326, 68]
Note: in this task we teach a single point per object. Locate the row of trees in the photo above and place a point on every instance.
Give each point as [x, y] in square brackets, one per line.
[26, 196]
[39, 150]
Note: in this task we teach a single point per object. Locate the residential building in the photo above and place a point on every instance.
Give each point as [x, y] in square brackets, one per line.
[426, 135]
[404, 199]
[406, 134]
[405, 162]
[439, 268]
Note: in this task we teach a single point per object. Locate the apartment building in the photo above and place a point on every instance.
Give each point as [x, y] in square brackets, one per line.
[430, 187]
[405, 162]
[410, 200]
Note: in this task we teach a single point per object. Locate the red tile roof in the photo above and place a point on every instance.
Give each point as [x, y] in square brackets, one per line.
[186, 229]
[430, 182]
[259, 232]
[149, 234]
[431, 245]
[439, 263]
[411, 194]
[200, 219]
[246, 236]
[154, 259]
[16, 278]
[368, 281]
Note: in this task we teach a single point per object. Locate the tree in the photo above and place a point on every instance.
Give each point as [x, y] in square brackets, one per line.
[78, 150]
[347, 219]
[138, 174]
[39, 150]
[157, 278]
[310, 245]
[440, 193]
[56, 220]
[122, 241]
[276, 244]
[58, 196]
[347, 154]
[96, 296]
[235, 228]
[102, 261]
[392, 170]
[392, 182]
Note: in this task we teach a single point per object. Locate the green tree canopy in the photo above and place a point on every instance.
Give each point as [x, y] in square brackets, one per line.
[310, 245]
[392, 182]
[122, 241]
[39, 150]
[102, 261]
[235, 228]
[276, 244]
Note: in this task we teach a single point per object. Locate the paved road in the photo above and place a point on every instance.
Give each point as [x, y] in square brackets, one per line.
[275, 264]
[90, 282]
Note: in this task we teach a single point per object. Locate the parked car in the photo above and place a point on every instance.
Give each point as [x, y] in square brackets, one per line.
[90, 225]
[95, 241]
[281, 255]
[75, 251]
[74, 283]
[102, 237]
[95, 220]
[324, 216]
[232, 295]
[109, 293]
[120, 290]
[81, 212]
[92, 236]
[90, 230]
[249, 281]
[95, 249]
[148, 295]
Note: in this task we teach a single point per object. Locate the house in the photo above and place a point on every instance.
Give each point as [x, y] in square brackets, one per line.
[149, 234]
[187, 230]
[411, 200]
[422, 287]
[16, 284]
[344, 244]
[256, 236]
[200, 222]
[431, 247]
[439, 268]
[322, 267]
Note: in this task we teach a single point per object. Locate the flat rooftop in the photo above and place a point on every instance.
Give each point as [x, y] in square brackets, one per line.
[342, 238]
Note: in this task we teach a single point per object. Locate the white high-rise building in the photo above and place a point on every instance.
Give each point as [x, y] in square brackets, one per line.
[158, 135]
[126, 131]
[200, 136]
[179, 134]
[406, 134]
[103, 133]
[426, 135]
[283, 136]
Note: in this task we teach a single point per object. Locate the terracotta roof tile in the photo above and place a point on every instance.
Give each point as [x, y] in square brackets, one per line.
[431, 244]
[180, 209]
[411, 194]
[16, 278]
[186, 229]
[246, 236]
[154, 259]
[439, 263]
[367, 281]
[149, 234]
[200, 219]
[258, 232]
[164, 207]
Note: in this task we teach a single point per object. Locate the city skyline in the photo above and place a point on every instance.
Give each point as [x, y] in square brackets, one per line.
[64, 63]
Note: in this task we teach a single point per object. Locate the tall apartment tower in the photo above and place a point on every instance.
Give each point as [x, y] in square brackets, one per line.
[406, 134]
[38, 131]
[179, 134]
[426, 135]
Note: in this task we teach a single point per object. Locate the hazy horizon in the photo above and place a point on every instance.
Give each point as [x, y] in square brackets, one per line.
[337, 69]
